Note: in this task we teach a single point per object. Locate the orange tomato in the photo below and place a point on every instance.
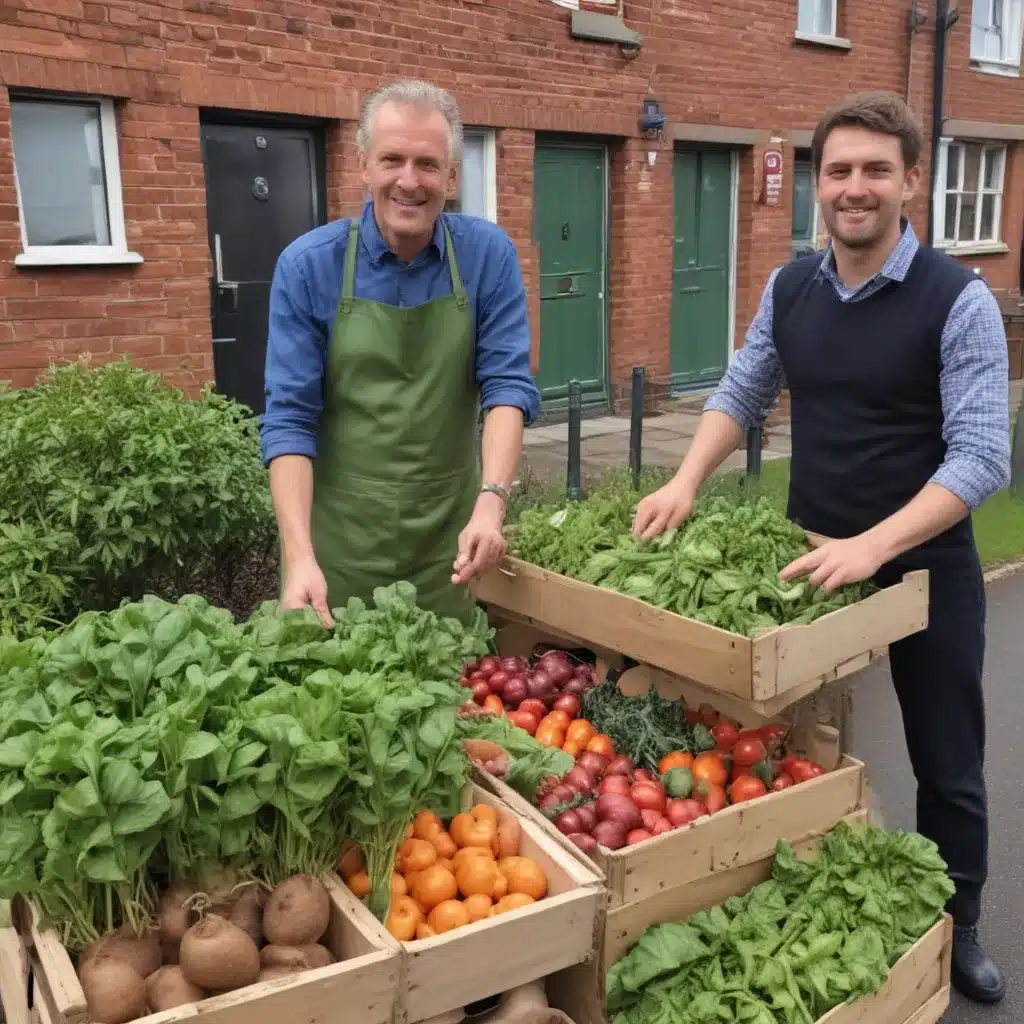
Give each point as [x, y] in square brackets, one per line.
[513, 901]
[443, 843]
[399, 886]
[448, 915]
[351, 862]
[710, 767]
[476, 877]
[524, 876]
[403, 918]
[500, 887]
[572, 749]
[475, 827]
[468, 853]
[602, 744]
[434, 886]
[415, 855]
[524, 720]
[359, 883]
[550, 735]
[580, 731]
[477, 906]
[424, 931]
[715, 797]
[561, 717]
[677, 759]
[426, 825]
[494, 705]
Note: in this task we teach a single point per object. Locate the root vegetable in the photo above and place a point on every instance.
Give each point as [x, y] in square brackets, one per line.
[218, 955]
[174, 919]
[297, 912]
[168, 988]
[305, 958]
[115, 992]
[141, 952]
[247, 913]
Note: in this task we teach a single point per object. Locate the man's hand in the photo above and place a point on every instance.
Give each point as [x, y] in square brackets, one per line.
[304, 584]
[836, 563]
[481, 544]
[664, 510]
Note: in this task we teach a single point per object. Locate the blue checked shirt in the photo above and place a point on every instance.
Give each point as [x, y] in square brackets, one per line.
[974, 378]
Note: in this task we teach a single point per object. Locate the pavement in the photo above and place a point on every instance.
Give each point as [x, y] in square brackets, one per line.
[665, 440]
[878, 740]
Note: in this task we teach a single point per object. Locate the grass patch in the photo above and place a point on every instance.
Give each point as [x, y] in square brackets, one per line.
[998, 524]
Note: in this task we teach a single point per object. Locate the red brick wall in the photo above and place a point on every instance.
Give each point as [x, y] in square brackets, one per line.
[512, 66]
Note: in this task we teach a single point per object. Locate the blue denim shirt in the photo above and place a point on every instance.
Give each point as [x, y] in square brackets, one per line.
[304, 299]
[974, 379]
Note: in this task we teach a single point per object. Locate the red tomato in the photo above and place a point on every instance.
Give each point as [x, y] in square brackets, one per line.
[661, 826]
[803, 770]
[715, 798]
[747, 751]
[783, 781]
[709, 715]
[524, 720]
[614, 784]
[494, 705]
[535, 707]
[643, 775]
[682, 812]
[725, 734]
[650, 817]
[746, 788]
[648, 795]
[787, 762]
[771, 735]
[637, 835]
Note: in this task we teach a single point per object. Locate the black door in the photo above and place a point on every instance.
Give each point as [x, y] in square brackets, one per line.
[264, 188]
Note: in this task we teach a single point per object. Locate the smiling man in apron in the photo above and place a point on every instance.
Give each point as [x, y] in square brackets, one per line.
[387, 336]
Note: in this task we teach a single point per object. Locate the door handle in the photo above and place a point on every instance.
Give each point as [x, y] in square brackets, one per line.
[227, 291]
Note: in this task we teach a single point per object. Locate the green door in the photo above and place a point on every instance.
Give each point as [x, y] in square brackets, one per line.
[700, 266]
[569, 225]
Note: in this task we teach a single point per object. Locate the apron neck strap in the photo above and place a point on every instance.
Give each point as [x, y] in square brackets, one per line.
[457, 286]
[349, 280]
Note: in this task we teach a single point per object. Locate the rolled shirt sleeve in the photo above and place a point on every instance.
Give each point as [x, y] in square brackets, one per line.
[503, 335]
[296, 350]
[755, 378]
[974, 381]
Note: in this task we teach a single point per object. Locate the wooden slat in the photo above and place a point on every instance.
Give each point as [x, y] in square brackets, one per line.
[14, 978]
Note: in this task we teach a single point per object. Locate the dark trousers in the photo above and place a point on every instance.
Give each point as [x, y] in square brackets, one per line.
[938, 678]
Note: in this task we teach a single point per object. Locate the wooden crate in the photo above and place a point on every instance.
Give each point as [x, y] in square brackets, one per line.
[916, 991]
[775, 669]
[479, 960]
[365, 981]
[734, 836]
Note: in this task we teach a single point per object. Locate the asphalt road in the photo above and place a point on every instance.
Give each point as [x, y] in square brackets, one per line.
[878, 740]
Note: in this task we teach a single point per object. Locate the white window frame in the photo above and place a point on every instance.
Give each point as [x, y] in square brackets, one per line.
[978, 244]
[82, 255]
[1010, 34]
[818, 36]
[490, 169]
[815, 211]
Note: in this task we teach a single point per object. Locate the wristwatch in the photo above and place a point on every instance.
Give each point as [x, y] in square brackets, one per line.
[495, 489]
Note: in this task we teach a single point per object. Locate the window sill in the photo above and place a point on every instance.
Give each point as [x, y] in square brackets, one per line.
[60, 256]
[974, 248]
[832, 42]
[996, 68]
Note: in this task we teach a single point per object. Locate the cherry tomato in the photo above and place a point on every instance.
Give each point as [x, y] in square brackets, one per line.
[804, 770]
[648, 796]
[715, 798]
[746, 788]
[724, 735]
[781, 782]
[601, 743]
[747, 751]
[772, 734]
[710, 767]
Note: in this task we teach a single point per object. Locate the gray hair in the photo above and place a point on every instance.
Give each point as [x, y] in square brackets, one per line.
[414, 93]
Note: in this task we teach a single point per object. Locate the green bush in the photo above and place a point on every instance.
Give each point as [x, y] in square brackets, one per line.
[112, 482]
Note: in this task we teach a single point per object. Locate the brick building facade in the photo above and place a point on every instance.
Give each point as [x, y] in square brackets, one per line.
[213, 130]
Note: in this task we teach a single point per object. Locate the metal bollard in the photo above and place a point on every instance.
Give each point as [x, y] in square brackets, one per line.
[573, 483]
[755, 441]
[636, 424]
[1017, 457]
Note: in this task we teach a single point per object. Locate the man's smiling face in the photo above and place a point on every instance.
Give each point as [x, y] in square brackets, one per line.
[408, 168]
[863, 185]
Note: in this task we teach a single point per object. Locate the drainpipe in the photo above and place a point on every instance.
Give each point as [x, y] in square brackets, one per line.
[945, 19]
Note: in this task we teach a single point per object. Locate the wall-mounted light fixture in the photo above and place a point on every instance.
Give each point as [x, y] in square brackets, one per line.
[652, 120]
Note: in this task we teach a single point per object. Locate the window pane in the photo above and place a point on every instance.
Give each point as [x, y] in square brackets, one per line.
[949, 232]
[953, 167]
[473, 176]
[988, 219]
[968, 212]
[58, 155]
[815, 16]
[803, 202]
[972, 165]
[993, 159]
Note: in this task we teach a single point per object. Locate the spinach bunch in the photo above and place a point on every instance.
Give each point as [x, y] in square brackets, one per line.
[721, 567]
[818, 934]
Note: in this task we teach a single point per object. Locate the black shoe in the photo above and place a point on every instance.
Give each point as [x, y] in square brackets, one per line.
[974, 974]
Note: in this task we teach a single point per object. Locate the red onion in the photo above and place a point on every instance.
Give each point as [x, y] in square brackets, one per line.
[567, 703]
[540, 685]
[575, 687]
[579, 779]
[620, 765]
[587, 814]
[514, 692]
[593, 763]
[489, 665]
[588, 844]
[610, 834]
[497, 681]
[568, 822]
[514, 666]
[584, 672]
[481, 691]
[620, 809]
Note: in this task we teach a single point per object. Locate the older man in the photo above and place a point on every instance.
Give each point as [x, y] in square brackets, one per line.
[387, 336]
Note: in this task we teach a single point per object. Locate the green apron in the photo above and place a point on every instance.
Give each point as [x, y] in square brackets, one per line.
[396, 474]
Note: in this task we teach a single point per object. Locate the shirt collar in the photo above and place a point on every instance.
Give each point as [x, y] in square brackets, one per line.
[378, 250]
[895, 267]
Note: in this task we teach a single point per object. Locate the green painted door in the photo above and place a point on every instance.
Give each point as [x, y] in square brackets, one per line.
[700, 266]
[569, 225]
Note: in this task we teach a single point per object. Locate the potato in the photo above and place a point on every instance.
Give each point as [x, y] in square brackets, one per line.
[168, 988]
[142, 952]
[305, 958]
[219, 956]
[297, 912]
[115, 992]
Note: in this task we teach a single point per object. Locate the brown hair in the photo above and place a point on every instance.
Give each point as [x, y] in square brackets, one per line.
[883, 112]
